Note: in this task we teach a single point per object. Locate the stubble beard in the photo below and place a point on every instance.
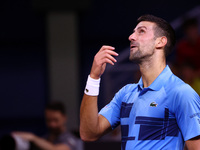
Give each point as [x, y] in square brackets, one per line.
[138, 56]
[135, 57]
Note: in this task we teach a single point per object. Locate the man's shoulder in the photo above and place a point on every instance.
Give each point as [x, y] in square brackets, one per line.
[124, 91]
[179, 87]
[129, 87]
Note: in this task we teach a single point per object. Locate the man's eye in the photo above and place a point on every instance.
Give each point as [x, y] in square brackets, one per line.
[141, 31]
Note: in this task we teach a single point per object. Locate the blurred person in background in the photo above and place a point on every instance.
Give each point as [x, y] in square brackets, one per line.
[58, 137]
[188, 48]
[189, 75]
[187, 64]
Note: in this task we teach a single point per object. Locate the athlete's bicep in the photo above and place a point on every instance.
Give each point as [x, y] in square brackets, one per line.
[104, 125]
[110, 114]
[193, 144]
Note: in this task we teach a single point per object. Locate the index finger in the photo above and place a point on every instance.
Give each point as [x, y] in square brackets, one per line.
[107, 47]
[111, 52]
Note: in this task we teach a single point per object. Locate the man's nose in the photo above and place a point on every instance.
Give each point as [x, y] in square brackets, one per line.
[132, 37]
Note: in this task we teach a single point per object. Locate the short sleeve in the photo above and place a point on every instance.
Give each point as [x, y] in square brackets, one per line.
[112, 110]
[188, 112]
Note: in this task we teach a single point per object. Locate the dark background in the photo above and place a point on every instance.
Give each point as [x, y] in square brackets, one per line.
[23, 48]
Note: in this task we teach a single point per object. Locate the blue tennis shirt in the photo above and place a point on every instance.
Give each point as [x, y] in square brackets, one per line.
[161, 116]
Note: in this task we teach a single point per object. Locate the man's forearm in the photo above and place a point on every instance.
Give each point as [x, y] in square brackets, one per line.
[93, 126]
[42, 143]
[89, 118]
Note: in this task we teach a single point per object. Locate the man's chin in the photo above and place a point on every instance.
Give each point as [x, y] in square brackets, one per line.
[135, 60]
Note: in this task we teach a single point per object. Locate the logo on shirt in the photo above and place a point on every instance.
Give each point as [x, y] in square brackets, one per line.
[194, 115]
[153, 104]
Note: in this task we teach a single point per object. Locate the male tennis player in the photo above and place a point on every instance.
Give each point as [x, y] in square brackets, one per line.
[160, 111]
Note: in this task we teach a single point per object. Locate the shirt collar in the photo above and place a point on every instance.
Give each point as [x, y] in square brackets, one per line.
[159, 81]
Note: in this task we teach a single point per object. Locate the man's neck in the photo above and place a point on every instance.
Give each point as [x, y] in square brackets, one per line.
[150, 70]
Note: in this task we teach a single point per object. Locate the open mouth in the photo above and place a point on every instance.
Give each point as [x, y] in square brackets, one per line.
[133, 46]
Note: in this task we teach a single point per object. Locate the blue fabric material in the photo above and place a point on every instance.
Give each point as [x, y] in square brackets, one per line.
[161, 116]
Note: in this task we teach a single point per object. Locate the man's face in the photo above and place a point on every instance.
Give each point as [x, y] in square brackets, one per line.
[142, 41]
[55, 121]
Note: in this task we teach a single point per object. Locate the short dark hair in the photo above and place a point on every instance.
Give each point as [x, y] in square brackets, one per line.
[56, 106]
[163, 28]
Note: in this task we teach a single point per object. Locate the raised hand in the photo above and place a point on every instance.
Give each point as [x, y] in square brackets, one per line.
[104, 56]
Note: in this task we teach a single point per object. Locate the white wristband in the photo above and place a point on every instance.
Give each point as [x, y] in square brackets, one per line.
[92, 86]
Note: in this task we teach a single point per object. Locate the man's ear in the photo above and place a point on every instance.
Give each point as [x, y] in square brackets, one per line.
[161, 42]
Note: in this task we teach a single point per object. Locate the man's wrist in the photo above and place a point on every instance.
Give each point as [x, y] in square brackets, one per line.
[92, 86]
[94, 76]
